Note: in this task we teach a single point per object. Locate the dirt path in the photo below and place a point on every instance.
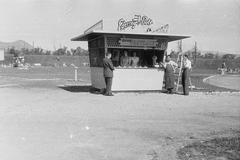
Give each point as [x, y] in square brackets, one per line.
[54, 123]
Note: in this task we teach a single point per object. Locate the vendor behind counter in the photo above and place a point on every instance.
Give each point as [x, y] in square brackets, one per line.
[145, 57]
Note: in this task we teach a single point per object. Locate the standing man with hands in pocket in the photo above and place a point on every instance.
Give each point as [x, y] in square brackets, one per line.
[108, 69]
[187, 65]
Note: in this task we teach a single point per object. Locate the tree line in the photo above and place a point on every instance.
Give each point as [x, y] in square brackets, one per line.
[82, 52]
[39, 51]
[208, 55]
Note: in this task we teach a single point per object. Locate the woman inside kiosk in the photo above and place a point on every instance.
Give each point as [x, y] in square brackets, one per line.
[125, 59]
[134, 59]
[139, 58]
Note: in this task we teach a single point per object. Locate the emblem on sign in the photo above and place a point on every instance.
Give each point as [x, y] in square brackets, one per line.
[138, 42]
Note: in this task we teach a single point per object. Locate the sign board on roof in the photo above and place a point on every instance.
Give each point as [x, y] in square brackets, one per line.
[138, 42]
[141, 23]
[137, 23]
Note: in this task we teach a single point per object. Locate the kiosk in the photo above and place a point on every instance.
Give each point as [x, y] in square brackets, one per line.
[135, 32]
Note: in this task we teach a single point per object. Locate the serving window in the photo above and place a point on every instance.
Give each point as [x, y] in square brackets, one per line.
[145, 56]
[145, 49]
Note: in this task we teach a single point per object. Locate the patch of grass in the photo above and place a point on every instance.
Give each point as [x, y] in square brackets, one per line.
[197, 81]
[217, 148]
[46, 72]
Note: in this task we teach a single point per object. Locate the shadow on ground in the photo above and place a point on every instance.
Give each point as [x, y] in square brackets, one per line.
[90, 89]
[79, 88]
[76, 88]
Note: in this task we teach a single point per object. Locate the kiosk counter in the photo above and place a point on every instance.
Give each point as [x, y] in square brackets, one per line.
[135, 33]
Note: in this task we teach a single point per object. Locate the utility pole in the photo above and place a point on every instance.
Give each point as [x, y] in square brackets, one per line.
[195, 57]
[180, 46]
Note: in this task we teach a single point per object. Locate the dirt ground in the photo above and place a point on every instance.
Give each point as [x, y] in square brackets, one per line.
[49, 120]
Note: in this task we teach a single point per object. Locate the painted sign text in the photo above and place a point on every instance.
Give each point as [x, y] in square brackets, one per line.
[137, 20]
[138, 42]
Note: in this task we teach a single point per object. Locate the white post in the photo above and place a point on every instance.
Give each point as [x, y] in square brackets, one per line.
[75, 79]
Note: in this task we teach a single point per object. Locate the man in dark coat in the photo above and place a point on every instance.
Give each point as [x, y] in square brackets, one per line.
[108, 73]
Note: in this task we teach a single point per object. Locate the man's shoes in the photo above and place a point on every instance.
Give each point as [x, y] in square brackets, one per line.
[108, 94]
[169, 91]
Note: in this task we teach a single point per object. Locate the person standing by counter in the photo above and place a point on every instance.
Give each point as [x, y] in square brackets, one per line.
[125, 60]
[169, 69]
[108, 69]
[186, 74]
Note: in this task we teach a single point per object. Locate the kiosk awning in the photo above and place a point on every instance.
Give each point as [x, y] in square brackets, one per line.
[96, 33]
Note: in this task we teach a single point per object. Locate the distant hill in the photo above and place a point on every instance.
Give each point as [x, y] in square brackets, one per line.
[17, 45]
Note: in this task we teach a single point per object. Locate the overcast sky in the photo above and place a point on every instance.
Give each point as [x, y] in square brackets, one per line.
[213, 24]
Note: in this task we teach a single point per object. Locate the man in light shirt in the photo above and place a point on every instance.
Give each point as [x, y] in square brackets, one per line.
[185, 74]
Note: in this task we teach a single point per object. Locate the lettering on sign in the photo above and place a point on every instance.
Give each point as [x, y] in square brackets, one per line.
[138, 42]
[137, 20]
[162, 29]
[141, 23]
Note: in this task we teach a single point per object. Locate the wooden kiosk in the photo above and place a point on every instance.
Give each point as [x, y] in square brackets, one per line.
[135, 32]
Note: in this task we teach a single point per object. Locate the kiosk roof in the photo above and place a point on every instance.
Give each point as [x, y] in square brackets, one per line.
[96, 33]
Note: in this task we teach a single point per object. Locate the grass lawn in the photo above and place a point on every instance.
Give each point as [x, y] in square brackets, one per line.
[67, 73]
[197, 77]
[45, 72]
[197, 80]
[204, 68]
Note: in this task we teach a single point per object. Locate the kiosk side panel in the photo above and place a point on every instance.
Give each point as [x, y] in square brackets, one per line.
[137, 79]
[97, 77]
